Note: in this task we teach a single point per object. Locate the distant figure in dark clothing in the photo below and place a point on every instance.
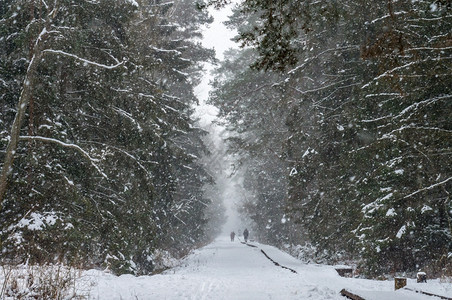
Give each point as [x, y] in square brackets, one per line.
[232, 236]
[245, 235]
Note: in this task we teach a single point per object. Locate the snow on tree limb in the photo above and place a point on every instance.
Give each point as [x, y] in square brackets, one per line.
[128, 116]
[428, 188]
[72, 146]
[137, 160]
[391, 135]
[410, 108]
[390, 73]
[429, 49]
[83, 60]
[417, 104]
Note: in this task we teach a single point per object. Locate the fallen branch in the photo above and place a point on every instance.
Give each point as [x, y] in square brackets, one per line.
[350, 295]
[427, 293]
[277, 264]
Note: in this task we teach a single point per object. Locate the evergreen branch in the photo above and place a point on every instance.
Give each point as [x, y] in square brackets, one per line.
[72, 146]
[428, 188]
[82, 59]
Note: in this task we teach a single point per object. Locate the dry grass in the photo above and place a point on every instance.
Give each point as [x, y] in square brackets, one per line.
[42, 282]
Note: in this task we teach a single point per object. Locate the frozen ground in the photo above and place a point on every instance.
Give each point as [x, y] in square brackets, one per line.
[231, 270]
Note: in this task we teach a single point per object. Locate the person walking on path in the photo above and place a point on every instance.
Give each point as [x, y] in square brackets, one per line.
[245, 235]
[232, 236]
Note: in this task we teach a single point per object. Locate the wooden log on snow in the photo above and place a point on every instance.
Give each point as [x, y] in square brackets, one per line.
[399, 282]
[344, 271]
[350, 295]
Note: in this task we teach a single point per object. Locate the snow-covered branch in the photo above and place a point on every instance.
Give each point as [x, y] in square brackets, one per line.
[428, 188]
[411, 108]
[313, 58]
[417, 104]
[137, 160]
[391, 72]
[166, 50]
[402, 128]
[314, 90]
[428, 48]
[82, 59]
[128, 116]
[72, 146]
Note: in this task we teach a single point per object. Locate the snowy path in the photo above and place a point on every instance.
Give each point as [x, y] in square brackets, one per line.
[226, 270]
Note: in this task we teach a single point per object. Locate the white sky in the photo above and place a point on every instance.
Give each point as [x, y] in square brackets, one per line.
[216, 36]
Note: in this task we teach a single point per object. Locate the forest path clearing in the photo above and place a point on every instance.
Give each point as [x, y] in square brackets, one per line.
[232, 270]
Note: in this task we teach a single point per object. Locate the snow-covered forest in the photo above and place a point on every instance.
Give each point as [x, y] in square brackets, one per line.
[337, 114]
[103, 155]
[344, 127]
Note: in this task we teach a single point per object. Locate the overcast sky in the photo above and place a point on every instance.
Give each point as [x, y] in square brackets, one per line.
[216, 36]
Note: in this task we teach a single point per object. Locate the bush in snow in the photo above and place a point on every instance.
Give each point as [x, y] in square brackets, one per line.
[42, 282]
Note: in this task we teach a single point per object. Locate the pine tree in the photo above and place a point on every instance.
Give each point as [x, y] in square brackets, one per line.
[368, 137]
[112, 153]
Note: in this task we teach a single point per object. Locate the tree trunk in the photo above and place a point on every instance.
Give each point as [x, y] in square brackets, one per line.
[31, 104]
[24, 99]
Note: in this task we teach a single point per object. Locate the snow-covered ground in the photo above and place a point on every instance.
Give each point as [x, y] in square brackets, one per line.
[232, 270]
